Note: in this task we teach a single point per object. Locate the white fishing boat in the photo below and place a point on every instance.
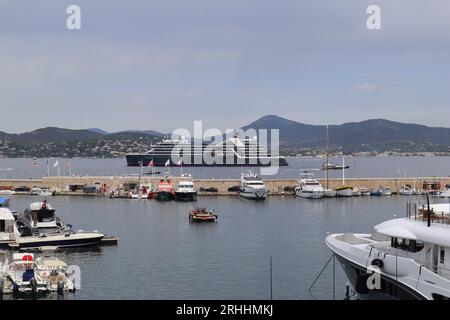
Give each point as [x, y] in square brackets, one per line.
[252, 187]
[22, 276]
[405, 258]
[308, 187]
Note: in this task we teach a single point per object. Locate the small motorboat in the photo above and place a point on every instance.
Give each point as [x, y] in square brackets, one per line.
[382, 191]
[54, 272]
[38, 226]
[202, 215]
[365, 191]
[22, 276]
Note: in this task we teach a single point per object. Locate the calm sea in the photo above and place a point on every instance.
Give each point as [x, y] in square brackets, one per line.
[359, 167]
[161, 255]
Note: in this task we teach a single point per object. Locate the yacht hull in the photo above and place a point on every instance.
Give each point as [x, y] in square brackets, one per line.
[164, 196]
[309, 195]
[390, 288]
[185, 196]
[60, 241]
[253, 195]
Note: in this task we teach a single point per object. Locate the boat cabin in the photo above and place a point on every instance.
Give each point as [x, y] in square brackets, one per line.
[7, 225]
[41, 215]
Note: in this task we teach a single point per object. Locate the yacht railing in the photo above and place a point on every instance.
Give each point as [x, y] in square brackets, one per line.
[419, 212]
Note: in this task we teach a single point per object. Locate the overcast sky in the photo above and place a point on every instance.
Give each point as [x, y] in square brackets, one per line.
[162, 64]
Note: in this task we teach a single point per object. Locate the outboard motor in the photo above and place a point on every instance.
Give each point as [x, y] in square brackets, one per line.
[60, 287]
[33, 285]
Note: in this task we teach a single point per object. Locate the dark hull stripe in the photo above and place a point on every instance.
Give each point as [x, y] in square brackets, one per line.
[391, 289]
[63, 243]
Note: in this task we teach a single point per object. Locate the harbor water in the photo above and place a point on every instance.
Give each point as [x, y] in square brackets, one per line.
[360, 167]
[161, 255]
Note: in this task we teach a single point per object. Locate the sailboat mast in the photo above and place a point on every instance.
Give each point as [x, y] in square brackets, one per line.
[343, 170]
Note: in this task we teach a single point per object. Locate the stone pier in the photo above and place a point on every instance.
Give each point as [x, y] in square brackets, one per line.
[276, 186]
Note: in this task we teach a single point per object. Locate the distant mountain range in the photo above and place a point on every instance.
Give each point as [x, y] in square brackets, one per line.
[376, 135]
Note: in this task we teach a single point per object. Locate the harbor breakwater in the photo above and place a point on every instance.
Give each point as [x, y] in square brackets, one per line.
[74, 184]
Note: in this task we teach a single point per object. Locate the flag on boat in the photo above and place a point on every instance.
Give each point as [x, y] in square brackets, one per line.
[150, 164]
[167, 163]
[56, 164]
[46, 162]
[179, 162]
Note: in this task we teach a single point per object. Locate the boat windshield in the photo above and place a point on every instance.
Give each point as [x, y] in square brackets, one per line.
[46, 216]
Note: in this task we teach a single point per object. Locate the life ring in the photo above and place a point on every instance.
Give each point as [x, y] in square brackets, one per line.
[377, 262]
[27, 257]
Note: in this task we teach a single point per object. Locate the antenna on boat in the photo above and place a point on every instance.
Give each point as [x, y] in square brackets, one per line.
[429, 210]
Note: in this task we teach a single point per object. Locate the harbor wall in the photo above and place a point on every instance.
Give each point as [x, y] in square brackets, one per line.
[276, 186]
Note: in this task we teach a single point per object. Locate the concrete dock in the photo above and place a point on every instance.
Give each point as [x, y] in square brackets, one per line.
[276, 186]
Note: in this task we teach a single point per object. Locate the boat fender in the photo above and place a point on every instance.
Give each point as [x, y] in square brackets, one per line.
[60, 287]
[33, 284]
[377, 262]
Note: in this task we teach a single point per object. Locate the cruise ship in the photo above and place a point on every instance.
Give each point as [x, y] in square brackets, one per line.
[232, 152]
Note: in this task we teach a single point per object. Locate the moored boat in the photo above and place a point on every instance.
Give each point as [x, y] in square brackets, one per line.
[185, 190]
[405, 258]
[252, 187]
[329, 193]
[365, 191]
[309, 188]
[38, 226]
[165, 190]
[22, 276]
[344, 191]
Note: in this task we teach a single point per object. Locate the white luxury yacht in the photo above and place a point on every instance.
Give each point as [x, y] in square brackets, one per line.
[410, 256]
[252, 187]
[185, 190]
[309, 187]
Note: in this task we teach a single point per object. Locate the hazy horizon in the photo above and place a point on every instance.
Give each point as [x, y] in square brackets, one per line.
[160, 65]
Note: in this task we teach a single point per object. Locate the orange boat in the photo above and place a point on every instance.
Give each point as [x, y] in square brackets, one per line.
[202, 215]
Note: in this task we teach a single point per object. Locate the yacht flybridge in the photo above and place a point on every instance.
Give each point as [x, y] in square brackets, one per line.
[410, 256]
